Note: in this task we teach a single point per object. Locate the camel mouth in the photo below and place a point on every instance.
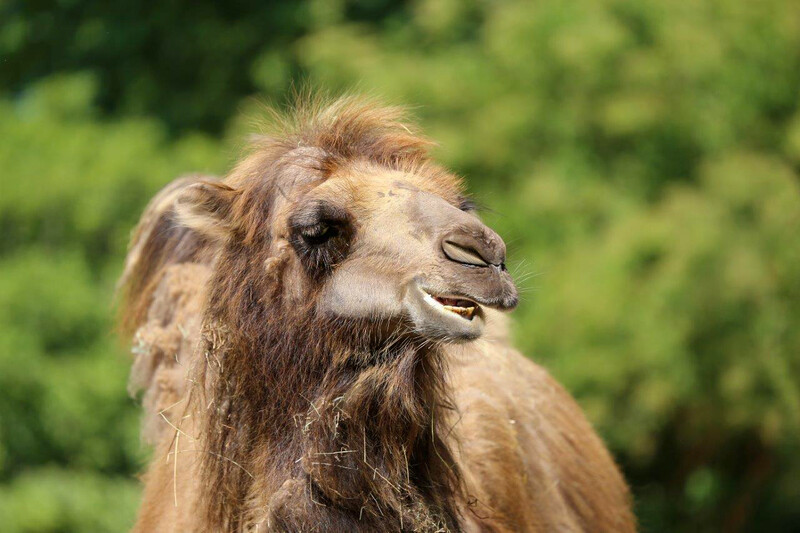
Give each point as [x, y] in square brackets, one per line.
[443, 316]
[462, 307]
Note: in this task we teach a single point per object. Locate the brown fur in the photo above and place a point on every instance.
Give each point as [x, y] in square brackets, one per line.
[270, 415]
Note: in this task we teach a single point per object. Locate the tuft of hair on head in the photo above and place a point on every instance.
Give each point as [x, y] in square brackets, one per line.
[346, 128]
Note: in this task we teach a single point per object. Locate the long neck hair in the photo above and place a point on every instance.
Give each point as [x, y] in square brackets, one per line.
[345, 426]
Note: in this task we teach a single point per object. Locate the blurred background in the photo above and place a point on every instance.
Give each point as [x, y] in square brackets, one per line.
[641, 158]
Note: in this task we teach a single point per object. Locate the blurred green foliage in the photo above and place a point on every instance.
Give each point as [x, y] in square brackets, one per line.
[642, 159]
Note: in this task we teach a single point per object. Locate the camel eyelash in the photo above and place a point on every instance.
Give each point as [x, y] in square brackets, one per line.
[319, 234]
[467, 204]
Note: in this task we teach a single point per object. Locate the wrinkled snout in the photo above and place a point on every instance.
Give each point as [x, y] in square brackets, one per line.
[467, 274]
[469, 257]
[477, 257]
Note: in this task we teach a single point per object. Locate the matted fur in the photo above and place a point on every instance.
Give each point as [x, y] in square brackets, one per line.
[303, 422]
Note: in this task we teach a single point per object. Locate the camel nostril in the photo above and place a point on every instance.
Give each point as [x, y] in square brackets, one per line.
[463, 253]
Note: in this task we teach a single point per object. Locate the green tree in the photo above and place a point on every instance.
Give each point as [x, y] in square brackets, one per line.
[642, 159]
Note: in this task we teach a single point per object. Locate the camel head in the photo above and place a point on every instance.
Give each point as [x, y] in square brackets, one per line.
[347, 216]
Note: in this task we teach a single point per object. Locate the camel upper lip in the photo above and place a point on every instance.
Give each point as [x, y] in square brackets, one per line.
[500, 303]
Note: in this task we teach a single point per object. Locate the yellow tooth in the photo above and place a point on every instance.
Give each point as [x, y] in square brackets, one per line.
[466, 312]
[456, 310]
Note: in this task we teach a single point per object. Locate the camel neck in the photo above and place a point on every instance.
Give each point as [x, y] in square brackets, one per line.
[362, 441]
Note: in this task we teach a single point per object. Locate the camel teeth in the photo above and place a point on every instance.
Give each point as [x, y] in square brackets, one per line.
[465, 312]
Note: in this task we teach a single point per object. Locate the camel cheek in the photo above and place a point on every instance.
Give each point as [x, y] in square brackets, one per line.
[361, 291]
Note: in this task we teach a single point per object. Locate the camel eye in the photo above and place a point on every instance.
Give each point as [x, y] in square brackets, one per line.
[319, 234]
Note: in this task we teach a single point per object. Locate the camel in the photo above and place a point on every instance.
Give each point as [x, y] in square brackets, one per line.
[321, 338]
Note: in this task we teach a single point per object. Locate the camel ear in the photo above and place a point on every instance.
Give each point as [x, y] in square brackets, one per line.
[207, 207]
